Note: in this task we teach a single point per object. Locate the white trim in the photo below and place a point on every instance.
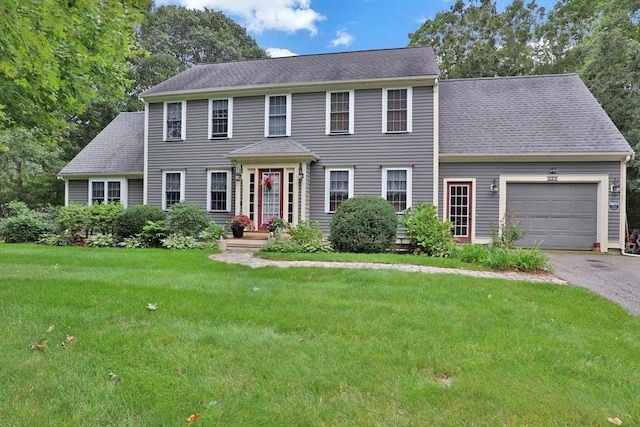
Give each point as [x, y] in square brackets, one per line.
[164, 185]
[229, 118]
[145, 170]
[183, 125]
[228, 195]
[66, 192]
[327, 176]
[436, 141]
[267, 102]
[385, 94]
[351, 112]
[622, 235]
[531, 157]
[123, 189]
[602, 181]
[445, 203]
[409, 171]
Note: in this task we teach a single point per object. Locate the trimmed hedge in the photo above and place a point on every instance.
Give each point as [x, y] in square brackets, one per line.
[132, 220]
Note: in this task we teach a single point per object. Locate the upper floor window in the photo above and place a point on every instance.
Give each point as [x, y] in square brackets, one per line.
[396, 187]
[340, 112]
[172, 188]
[219, 195]
[277, 115]
[338, 187]
[221, 116]
[175, 114]
[396, 110]
[104, 191]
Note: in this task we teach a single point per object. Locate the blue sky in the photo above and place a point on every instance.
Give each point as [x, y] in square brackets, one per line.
[285, 27]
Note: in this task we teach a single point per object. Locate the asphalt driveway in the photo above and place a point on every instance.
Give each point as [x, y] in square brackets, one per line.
[615, 277]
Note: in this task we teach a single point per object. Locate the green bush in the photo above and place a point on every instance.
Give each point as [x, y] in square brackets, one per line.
[133, 242]
[508, 231]
[474, 254]
[427, 233]
[56, 239]
[26, 228]
[153, 232]
[212, 233]
[188, 219]
[74, 218]
[133, 219]
[103, 216]
[364, 224]
[16, 208]
[283, 247]
[179, 241]
[101, 241]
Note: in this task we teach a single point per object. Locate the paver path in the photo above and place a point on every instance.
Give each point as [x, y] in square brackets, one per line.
[247, 258]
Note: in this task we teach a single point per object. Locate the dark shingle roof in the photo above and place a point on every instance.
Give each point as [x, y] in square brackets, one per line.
[331, 67]
[280, 146]
[524, 115]
[118, 149]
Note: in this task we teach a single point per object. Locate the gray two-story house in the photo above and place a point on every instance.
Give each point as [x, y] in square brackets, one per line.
[294, 137]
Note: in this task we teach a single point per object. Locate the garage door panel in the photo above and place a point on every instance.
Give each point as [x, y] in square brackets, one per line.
[560, 215]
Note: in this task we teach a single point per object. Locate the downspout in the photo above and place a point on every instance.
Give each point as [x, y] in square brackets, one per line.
[623, 182]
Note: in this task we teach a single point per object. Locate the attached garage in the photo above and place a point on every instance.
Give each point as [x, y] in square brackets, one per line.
[559, 215]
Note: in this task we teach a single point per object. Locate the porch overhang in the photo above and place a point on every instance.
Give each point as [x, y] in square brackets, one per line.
[273, 150]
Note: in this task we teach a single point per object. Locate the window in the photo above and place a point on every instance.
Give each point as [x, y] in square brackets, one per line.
[173, 188]
[340, 112]
[175, 114]
[396, 110]
[338, 187]
[278, 115]
[396, 187]
[107, 190]
[221, 115]
[219, 195]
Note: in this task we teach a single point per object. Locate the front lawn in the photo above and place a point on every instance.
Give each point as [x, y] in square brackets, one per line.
[300, 346]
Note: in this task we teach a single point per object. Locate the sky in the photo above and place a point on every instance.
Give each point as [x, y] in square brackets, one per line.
[300, 27]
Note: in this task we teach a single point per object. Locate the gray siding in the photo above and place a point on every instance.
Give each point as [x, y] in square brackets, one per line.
[487, 202]
[134, 192]
[367, 149]
[79, 191]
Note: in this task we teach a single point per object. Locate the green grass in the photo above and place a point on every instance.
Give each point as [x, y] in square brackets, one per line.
[301, 346]
[377, 258]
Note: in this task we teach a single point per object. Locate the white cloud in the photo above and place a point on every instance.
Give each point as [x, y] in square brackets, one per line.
[257, 16]
[277, 52]
[342, 39]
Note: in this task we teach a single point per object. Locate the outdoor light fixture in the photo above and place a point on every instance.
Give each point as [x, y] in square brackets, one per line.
[238, 173]
[494, 186]
[615, 187]
[300, 173]
[553, 171]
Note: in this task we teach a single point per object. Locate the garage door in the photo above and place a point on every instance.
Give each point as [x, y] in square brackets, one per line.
[560, 215]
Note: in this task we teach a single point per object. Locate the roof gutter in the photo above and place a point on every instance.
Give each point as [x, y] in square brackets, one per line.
[534, 157]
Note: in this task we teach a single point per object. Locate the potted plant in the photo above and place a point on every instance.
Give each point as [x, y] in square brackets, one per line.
[237, 224]
[274, 224]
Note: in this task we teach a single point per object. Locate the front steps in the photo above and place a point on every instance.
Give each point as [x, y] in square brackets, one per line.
[250, 241]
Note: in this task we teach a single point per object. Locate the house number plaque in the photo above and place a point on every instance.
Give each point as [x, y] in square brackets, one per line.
[552, 178]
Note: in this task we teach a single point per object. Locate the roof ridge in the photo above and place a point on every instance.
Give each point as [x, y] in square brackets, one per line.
[528, 76]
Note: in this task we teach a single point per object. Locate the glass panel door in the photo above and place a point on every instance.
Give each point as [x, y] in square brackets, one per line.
[459, 212]
[270, 194]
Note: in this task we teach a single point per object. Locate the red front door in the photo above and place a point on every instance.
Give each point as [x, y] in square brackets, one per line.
[459, 209]
[270, 185]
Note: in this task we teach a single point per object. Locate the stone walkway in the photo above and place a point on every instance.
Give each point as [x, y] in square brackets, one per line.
[247, 258]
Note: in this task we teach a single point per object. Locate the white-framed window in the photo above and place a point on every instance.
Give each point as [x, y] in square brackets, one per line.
[340, 112]
[219, 190]
[220, 118]
[397, 110]
[104, 190]
[338, 187]
[277, 115]
[172, 188]
[175, 118]
[396, 187]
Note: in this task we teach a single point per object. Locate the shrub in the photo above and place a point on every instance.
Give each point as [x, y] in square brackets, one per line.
[427, 233]
[55, 239]
[26, 228]
[132, 220]
[102, 216]
[475, 254]
[101, 241]
[74, 218]
[283, 247]
[179, 241]
[16, 208]
[187, 218]
[364, 224]
[212, 233]
[153, 232]
[508, 231]
[133, 242]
